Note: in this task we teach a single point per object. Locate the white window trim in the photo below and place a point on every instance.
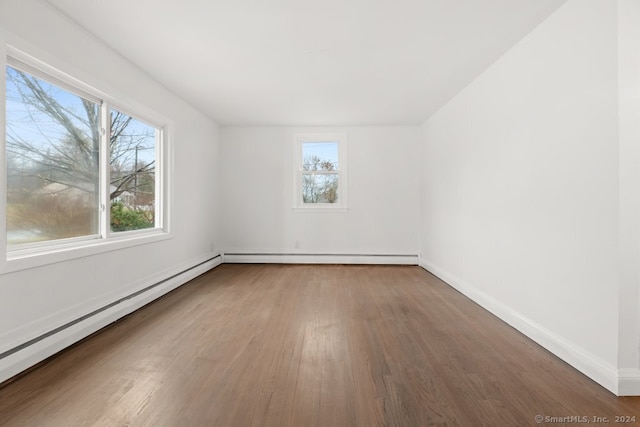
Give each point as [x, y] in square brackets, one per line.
[22, 257]
[298, 204]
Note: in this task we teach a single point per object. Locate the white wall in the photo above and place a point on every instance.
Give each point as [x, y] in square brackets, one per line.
[34, 301]
[520, 188]
[629, 128]
[383, 193]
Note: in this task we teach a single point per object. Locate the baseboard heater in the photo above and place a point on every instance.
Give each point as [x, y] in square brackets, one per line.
[320, 258]
[67, 325]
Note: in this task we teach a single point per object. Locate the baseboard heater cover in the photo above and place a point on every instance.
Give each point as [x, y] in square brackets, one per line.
[71, 323]
[320, 258]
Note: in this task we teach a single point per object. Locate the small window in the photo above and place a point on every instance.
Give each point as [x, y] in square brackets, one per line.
[320, 174]
[77, 167]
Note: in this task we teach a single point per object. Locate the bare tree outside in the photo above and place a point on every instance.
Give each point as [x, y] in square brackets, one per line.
[53, 160]
[319, 180]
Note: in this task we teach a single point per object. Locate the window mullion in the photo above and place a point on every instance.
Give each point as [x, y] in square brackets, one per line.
[159, 219]
[320, 172]
[105, 179]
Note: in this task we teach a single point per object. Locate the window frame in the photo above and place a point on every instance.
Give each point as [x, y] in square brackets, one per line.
[22, 256]
[299, 172]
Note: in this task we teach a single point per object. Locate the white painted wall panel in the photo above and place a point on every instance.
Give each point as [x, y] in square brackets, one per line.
[629, 120]
[520, 183]
[383, 193]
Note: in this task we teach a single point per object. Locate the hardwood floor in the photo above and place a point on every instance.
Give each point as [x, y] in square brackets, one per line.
[299, 345]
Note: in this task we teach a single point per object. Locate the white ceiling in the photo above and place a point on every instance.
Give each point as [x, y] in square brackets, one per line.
[321, 62]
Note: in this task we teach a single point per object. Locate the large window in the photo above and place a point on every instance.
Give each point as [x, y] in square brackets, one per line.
[78, 167]
[320, 176]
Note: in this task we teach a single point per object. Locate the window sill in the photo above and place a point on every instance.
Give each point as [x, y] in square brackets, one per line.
[323, 209]
[35, 257]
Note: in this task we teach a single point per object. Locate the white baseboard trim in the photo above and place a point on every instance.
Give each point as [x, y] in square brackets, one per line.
[38, 349]
[592, 366]
[628, 382]
[311, 258]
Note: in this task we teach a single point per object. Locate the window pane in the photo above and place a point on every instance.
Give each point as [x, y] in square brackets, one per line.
[320, 156]
[133, 173]
[53, 142]
[319, 188]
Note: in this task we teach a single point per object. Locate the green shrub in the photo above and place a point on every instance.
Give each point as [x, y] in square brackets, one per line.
[124, 218]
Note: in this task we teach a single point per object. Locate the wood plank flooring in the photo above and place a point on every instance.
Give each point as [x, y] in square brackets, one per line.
[302, 345]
